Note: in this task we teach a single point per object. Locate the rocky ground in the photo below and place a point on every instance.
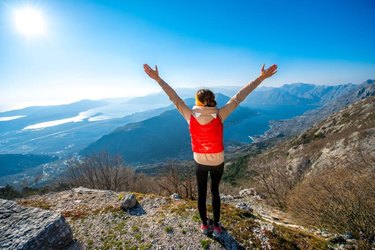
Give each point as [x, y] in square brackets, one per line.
[32, 228]
[157, 222]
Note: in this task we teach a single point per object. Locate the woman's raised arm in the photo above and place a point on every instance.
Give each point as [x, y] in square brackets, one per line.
[246, 90]
[178, 102]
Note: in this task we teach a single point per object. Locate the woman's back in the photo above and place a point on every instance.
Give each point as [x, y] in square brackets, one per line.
[205, 109]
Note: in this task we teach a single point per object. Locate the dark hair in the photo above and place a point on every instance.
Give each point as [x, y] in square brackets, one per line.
[206, 97]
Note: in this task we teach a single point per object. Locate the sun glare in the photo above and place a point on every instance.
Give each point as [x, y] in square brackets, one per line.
[29, 21]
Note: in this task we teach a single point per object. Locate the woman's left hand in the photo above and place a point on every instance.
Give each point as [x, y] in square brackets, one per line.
[154, 74]
[265, 73]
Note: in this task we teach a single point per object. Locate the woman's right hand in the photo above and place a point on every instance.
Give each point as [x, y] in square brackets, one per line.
[265, 73]
[154, 74]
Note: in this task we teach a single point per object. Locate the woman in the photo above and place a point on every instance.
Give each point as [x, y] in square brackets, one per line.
[206, 131]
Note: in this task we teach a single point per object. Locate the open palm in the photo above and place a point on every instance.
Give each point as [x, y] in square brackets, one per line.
[265, 73]
[154, 74]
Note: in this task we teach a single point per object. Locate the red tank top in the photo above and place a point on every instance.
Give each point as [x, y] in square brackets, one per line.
[206, 138]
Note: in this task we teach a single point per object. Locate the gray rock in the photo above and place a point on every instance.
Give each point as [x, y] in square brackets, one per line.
[248, 192]
[83, 190]
[323, 232]
[32, 228]
[175, 196]
[128, 202]
[162, 201]
[224, 197]
[244, 206]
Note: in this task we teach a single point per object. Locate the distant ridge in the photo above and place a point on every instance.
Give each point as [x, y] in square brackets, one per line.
[341, 97]
[162, 137]
[166, 136]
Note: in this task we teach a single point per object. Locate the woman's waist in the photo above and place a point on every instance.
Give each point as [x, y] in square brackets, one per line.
[210, 159]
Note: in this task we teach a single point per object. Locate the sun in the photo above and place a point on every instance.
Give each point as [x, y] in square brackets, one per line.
[29, 21]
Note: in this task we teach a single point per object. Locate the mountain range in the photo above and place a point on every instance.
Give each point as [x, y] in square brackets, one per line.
[343, 138]
[137, 129]
[290, 127]
[166, 136]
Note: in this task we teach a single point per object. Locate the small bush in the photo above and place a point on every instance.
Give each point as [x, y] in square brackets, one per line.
[135, 228]
[145, 246]
[196, 218]
[205, 244]
[178, 178]
[138, 237]
[168, 229]
[90, 243]
[108, 172]
[120, 196]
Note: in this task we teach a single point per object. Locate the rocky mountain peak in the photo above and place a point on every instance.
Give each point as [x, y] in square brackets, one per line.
[158, 222]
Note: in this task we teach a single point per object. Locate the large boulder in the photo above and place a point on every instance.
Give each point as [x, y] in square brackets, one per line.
[128, 202]
[32, 228]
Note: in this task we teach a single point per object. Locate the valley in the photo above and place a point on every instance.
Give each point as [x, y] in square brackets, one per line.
[115, 125]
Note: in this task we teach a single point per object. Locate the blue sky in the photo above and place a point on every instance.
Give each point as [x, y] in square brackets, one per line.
[95, 49]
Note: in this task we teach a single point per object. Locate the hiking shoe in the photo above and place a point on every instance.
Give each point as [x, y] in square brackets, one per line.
[217, 231]
[204, 229]
[210, 224]
[207, 229]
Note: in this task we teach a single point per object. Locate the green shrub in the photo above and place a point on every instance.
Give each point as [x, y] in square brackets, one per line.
[168, 229]
[205, 244]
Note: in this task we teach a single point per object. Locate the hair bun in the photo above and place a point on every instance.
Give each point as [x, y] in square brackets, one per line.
[207, 97]
[211, 103]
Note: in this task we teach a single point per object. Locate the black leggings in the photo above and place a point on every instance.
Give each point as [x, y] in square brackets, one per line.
[216, 172]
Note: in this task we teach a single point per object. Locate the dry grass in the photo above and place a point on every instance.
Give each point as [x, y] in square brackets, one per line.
[83, 211]
[39, 203]
[340, 199]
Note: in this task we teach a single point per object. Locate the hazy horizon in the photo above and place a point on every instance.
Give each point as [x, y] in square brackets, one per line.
[5, 108]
